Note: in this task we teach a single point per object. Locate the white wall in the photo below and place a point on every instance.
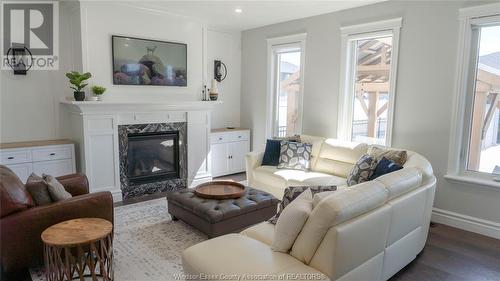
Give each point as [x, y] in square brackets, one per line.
[424, 92]
[227, 48]
[102, 19]
[29, 105]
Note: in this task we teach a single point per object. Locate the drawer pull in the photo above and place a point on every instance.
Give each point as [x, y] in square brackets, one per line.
[52, 154]
[11, 157]
[239, 137]
[220, 138]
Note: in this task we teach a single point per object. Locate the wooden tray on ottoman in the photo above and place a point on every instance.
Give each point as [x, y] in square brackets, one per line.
[220, 190]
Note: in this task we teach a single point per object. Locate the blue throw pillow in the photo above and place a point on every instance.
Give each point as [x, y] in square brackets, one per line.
[272, 153]
[384, 166]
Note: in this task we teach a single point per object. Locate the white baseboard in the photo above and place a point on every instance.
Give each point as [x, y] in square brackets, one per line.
[472, 224]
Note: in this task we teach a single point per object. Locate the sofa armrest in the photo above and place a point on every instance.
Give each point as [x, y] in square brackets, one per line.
[20, 233]
[252, 161]
[76, 184]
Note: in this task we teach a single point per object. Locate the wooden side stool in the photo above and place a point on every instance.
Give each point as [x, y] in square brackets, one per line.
[79, 248]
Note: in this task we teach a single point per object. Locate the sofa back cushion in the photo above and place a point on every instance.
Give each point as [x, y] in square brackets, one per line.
[337, 157]
[335, 209]
[400, 182]
[13, 194]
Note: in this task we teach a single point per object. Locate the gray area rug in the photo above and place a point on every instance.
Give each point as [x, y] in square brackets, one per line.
[147, 243]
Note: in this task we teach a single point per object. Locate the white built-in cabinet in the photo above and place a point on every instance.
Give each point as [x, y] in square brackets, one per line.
[228, 148]
[51, 157]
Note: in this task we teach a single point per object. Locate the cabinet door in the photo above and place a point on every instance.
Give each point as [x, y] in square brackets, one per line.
[237, 151]
[54, 168]
[220, 159]
[23, 171]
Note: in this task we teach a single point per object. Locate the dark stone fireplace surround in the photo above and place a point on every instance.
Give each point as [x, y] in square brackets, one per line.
[130, 190]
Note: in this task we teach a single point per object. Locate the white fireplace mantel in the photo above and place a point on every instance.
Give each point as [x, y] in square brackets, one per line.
[93, 125]
[134, 105]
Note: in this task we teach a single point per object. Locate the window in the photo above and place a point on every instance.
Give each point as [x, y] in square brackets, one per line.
[286, 55]
[369, 55]
[475, 137]
[484, 136]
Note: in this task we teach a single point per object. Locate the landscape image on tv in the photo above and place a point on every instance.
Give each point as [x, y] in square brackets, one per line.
[148, 62]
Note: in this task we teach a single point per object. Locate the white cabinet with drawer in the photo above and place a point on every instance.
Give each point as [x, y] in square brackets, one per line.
[228, 149]
[52, 157]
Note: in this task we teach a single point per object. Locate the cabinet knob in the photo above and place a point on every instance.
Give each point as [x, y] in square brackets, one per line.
[220, 138]
[239, 137]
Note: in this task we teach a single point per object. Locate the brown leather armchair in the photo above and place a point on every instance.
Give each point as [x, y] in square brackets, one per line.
[21, 245]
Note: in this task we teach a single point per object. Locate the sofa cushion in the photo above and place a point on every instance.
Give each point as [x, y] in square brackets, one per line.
[335, 209]
[264, 232]
[13, 195]
[291, 220]
[402, 181]
[230, 250]
[38, 190]
[271, 176]
[284, 177]
[295, 155]
[337, 157]
[272, 153]
[362, 170]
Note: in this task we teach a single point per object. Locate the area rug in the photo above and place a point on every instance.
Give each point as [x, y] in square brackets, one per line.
[147, 243]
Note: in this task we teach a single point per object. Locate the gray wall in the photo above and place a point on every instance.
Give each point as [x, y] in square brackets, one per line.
[29, 105]
[424, 93]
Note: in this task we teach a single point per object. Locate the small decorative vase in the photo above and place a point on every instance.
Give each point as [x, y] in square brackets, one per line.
[93, 98]
[79, 96]
[214, 91]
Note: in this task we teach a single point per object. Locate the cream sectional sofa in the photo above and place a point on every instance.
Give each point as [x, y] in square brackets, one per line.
[367, 231]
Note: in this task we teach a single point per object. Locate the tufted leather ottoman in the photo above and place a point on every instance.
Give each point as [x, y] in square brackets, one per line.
[219, 217]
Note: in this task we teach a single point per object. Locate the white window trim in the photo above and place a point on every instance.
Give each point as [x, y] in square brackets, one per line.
[356, 32]
[271, 67]
[457, 171]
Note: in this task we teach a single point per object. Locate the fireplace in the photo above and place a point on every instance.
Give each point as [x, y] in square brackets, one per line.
[153, 157]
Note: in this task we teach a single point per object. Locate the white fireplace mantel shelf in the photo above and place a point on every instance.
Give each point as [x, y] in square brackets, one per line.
[137, 105]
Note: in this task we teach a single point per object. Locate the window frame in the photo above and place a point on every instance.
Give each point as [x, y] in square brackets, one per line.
[469, 19]
[274, 44]
[349, 35]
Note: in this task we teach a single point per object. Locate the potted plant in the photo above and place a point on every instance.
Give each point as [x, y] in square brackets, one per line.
[98, 91]
[77, 79]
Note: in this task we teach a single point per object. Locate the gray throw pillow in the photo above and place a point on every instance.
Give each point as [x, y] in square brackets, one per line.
[293, 192]
[56, 189]
[362, 170]
[38, 190]
[295, 155]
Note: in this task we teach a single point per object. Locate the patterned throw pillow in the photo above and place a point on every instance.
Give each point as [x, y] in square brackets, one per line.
[293, 192]
[295, 155]
[397, 156]
[362, 170]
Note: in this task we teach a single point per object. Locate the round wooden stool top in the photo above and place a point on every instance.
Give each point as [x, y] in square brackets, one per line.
[76, 232]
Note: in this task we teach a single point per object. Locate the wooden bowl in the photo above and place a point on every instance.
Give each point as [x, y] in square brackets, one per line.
[220, 190]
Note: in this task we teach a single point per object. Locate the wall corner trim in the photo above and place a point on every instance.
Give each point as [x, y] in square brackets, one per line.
[468, 223]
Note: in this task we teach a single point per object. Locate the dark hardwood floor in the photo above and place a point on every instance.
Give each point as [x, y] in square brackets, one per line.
[450, 254]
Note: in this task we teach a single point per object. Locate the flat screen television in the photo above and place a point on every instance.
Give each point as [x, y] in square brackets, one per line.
[148, 62]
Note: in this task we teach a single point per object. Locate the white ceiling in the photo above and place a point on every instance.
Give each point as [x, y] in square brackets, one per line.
[221, 14]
